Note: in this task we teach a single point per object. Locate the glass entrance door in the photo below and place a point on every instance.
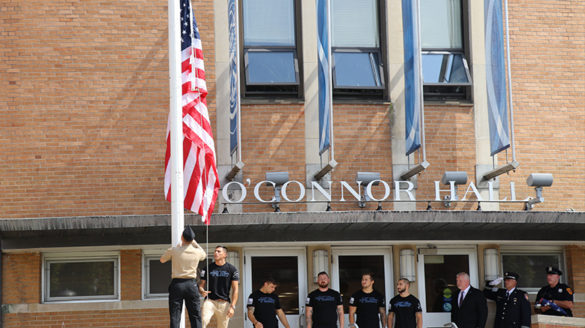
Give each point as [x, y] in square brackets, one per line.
[287, 267]
[437, 270]
[348, 266]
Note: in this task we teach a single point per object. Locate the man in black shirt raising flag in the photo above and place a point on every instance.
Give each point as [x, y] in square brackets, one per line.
[405, 307]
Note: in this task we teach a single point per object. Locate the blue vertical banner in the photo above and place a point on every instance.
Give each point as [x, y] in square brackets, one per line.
[324, 74]
[234, 74]
[412, 74]
[496, 77]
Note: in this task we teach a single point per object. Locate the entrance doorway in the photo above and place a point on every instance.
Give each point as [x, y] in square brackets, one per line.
[437, 270]
[287, 267]
[350, 263]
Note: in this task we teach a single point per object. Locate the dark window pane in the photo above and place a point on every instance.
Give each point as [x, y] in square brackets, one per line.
[440, 280]
[159, 276]
[530, 267]
[271, 67]
[356, 69]
[81, 279]
[283, 269]
[444, 68]
[351, 269]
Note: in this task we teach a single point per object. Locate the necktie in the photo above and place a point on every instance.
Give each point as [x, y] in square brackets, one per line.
[507, 294]
[461, 297]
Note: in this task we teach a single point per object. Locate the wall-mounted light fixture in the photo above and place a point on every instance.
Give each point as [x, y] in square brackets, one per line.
[490, 263]
[320, 262]
[407, 267]
[364, 178]
[276, 180]
[453, 179]
[538, 180]
[233, 257]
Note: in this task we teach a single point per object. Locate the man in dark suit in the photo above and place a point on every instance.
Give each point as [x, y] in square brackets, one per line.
[469, 307]
[512, 305]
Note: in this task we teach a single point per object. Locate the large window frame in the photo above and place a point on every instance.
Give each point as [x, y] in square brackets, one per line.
[250, 89]
[444, 91]
[377, 64]
[147, 256]
[92, 257]
[535, 251]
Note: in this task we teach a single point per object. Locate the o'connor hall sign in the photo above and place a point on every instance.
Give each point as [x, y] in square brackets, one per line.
[235, 192]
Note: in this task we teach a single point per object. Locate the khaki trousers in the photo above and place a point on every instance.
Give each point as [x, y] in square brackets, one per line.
[219, 309]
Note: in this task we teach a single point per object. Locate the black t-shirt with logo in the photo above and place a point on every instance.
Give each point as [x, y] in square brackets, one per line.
[405, 309]
[324, 306]
[219, 280]
[265, 306]
[367, 308]
[560, 292]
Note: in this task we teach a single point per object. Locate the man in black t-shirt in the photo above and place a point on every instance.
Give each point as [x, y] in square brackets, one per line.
[324, 305]
[555, 298]
[264, 306]
[368, 305]
[221, 276]
[405, 307]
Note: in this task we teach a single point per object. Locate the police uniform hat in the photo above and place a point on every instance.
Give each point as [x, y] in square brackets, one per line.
[511, 275]
[188, 234]
[553, 270]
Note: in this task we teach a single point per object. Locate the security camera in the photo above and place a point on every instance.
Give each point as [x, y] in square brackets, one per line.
[540, 180]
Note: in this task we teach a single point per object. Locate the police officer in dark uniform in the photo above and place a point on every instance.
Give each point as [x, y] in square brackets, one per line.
[556, 298]
[512, 305]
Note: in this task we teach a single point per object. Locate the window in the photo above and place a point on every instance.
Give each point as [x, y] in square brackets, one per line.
[445, 69]
[531, 267]
[357, 59]
[157, 276]
[271, 56]
[72, 278]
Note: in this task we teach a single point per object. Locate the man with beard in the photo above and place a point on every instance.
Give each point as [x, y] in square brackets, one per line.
[324, 305]
[367, 304]
[512, 305]
[405, 307]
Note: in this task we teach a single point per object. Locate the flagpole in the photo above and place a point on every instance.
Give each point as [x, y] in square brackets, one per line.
[176, 130]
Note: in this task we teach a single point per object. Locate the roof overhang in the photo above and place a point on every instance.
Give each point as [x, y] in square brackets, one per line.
[29, 233]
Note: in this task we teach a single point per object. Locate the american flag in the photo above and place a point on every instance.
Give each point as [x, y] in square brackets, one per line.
[201, 182]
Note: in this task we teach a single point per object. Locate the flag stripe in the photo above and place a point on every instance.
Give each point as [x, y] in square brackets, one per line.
[199, 160]
[412, 76]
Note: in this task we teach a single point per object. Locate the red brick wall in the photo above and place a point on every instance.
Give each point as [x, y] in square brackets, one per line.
[575, 256]
[85, 105]
[131, 274]
[548, 69]
[21, 278]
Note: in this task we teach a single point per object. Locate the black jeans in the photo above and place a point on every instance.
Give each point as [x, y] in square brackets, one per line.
[184, 290]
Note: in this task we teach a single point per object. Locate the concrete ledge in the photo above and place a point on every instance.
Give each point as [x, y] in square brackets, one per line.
[541, 320]
[85, 306]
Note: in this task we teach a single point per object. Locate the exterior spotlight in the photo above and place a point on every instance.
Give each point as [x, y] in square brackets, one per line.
[225, 209]
[453, 178]
[364, 179]
[276, 179]
[328, 209]
[429, 207]
[538, 180]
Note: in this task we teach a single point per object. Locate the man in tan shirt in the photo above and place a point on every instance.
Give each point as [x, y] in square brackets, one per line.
[183, 287]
